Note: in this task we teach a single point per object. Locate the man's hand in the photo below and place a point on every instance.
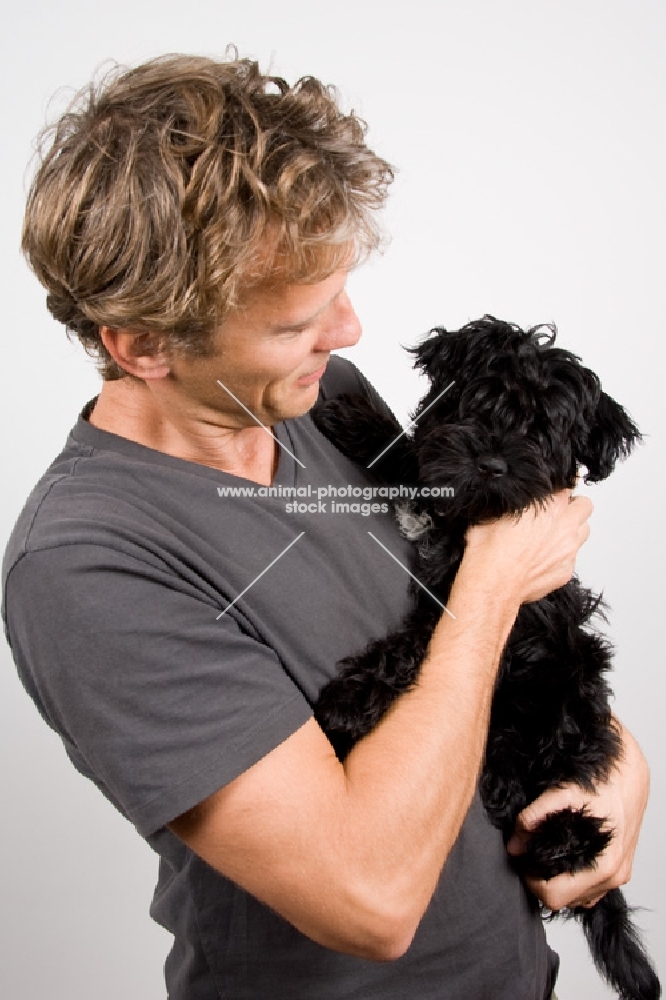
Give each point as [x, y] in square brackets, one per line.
[534, 553]
[621, 801]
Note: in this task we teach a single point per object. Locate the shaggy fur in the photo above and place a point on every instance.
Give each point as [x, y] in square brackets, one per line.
[519, 421]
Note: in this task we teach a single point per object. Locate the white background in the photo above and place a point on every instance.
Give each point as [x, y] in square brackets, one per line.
[529, 138]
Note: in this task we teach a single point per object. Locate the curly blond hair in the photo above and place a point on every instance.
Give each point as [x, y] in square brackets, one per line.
[168, 191]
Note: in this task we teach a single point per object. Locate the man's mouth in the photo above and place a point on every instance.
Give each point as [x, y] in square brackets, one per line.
[312, 376]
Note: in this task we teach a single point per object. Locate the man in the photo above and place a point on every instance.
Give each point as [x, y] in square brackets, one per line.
[194, 223]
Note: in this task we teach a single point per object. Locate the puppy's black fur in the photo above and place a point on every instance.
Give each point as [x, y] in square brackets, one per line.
[520, 419]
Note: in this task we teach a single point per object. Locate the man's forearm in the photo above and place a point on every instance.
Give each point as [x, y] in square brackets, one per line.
[410, 782]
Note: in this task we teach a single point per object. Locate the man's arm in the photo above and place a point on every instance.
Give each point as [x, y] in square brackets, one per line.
[351, 853]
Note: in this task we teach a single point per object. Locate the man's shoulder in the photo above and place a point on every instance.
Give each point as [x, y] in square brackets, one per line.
[89, 495]
[60, 470]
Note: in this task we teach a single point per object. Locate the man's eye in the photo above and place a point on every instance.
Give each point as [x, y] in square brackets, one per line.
[294, 331]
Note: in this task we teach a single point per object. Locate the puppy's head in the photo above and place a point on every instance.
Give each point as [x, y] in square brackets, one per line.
[510, 418]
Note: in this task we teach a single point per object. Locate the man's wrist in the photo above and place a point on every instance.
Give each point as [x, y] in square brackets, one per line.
[480, 583]
[482, 614]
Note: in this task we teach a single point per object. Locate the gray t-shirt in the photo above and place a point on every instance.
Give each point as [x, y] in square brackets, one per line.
[115, 578]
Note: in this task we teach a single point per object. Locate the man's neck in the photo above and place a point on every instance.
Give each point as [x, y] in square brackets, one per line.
[127, 408]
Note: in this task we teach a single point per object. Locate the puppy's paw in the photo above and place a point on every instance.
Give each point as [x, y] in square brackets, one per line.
[566, 841]
[363, 434]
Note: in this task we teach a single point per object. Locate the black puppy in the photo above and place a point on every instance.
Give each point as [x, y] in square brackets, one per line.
[520, 419]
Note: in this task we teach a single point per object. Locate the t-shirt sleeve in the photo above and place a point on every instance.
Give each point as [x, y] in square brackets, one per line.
[157, 700]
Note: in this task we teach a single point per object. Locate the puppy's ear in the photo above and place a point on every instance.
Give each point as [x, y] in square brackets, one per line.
[445, 354]
[441, 355]
[610, 436]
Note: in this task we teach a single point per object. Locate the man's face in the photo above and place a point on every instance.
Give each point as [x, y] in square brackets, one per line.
[270, 354]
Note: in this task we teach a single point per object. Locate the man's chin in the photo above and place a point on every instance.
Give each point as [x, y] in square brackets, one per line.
[298, 402]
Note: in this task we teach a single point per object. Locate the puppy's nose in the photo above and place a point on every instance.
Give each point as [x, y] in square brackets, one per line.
[491, 465]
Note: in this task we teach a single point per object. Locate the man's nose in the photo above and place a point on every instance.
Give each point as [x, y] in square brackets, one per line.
[343, 328]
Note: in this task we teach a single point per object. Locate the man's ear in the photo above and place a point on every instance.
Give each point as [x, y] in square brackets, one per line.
[140, 354]
[611, 436]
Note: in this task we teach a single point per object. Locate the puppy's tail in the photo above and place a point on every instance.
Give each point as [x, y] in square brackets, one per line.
[616, 948]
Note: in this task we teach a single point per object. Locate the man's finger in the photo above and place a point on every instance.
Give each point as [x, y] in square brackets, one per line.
[589, 903]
